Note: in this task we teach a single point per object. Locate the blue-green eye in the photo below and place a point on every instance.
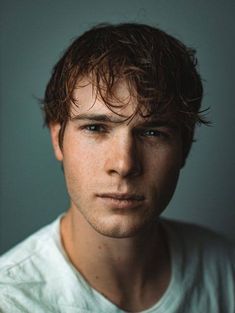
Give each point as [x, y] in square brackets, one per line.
[152, 133]
[94, 128]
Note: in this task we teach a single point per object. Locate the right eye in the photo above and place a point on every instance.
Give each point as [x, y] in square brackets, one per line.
[94, 128]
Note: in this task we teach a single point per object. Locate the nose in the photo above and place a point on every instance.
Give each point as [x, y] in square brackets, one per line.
[123, 157]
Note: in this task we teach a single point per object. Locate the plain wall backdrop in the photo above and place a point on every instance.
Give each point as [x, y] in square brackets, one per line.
[33, 36]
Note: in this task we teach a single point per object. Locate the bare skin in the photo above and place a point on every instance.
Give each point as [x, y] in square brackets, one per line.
[120, 176]
[133, 273]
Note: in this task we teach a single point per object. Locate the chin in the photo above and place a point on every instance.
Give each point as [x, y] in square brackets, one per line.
[120, 228]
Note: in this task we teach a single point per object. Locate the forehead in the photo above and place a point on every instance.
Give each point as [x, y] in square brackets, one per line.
[87, 99]
[121, 106]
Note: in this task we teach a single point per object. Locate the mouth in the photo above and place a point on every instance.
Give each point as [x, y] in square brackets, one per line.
[121, 201]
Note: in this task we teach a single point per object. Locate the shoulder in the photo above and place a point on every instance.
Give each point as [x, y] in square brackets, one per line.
[202, 249]
[25, 268]
[25, 261]
[203, 267]
[204, 263]
[36, 276]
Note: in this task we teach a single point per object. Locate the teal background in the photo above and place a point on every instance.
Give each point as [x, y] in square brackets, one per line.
[33, 35]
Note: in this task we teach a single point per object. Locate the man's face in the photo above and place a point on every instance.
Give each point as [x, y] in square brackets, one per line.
[120, 174]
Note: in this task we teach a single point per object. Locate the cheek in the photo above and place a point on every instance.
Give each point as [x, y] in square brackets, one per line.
[77, 177]
[170, 173]
[81, 164]
[164, 170]
[164, 180]
[166, 161]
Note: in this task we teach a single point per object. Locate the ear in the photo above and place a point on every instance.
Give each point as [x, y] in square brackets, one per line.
[54, 130]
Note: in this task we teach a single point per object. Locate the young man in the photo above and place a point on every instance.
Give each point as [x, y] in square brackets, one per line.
[121, 105]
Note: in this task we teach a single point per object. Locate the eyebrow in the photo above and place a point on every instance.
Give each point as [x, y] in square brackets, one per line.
[154, 122]
[159, 123]
[98, 118]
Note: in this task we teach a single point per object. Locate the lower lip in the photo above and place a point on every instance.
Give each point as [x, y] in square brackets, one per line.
[120, 204]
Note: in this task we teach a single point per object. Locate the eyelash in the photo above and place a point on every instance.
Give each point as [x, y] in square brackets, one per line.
[157, 133]
[99, 126]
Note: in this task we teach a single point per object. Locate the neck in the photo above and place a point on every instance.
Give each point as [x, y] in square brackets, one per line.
[131, 272]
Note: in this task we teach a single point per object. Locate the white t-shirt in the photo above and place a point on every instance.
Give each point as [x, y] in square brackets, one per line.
[37, 277]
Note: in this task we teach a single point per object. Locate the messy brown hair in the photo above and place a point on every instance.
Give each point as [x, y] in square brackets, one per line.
[159, 70]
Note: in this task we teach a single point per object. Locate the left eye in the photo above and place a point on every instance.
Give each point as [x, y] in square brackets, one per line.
[152, 133]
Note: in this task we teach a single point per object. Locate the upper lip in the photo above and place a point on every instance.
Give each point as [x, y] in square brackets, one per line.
[122, 196]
